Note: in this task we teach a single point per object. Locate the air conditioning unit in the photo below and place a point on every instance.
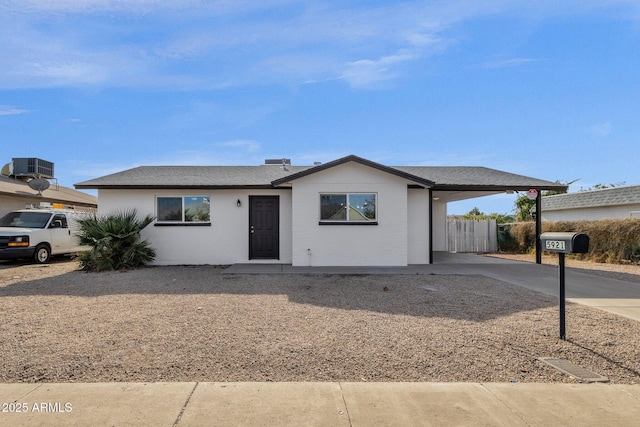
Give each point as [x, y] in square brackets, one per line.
[279, 162]
[34, 167]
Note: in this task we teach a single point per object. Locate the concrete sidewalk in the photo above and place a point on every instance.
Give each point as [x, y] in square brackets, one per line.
[319, 404]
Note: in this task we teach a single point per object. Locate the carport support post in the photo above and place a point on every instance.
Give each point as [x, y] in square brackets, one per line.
[562, 292]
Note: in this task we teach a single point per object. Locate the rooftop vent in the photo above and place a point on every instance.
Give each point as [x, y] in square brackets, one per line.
[278, 162]
[32, 167]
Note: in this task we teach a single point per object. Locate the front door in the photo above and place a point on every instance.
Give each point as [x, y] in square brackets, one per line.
[264, 227]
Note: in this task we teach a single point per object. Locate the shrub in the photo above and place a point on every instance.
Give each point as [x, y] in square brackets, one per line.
[519, 237]
[506, 241]
[610, 240]
[115, 242]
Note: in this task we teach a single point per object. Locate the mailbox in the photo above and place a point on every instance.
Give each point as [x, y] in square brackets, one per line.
[565, 242]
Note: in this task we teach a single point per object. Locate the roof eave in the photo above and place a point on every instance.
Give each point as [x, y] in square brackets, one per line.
[467, 187]
[50, 199]
[173, 187]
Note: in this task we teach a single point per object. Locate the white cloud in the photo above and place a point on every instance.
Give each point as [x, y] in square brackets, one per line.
[174, 48]
[6, 110]
[367, 72]
[187, 44]
[69, 72]
[508, 63]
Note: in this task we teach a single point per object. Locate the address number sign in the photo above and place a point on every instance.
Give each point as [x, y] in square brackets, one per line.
[557, 245]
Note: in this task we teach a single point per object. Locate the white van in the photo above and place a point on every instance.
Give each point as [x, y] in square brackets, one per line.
[38, 234]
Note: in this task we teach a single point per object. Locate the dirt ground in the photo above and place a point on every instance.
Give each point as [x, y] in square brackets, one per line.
[194, 323]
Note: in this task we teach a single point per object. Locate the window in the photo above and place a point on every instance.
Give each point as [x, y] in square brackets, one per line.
[184, 210]
[59, 221]
[357, 208]
[25, 219]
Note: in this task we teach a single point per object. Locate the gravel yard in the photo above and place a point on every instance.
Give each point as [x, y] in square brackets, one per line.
[194, 323]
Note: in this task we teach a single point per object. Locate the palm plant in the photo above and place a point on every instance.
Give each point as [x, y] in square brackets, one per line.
[115, 241]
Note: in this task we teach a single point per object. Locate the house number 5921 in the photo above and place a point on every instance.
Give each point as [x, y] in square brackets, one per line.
[555, 244]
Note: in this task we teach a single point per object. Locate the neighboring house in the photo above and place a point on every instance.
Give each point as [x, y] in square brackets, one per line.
[15, 192]
[616, 202]
[349, 212]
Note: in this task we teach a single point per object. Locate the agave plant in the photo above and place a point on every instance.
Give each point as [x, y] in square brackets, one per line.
[115, 241]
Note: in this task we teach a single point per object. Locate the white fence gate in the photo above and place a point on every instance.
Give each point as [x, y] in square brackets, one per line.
[472, 236]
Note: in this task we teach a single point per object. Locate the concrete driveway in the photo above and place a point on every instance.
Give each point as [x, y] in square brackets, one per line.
[609, 294]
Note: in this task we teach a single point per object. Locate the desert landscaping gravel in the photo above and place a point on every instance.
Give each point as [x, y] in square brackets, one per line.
[195, 323]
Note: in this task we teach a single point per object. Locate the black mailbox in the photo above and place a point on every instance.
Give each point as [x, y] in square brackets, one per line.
[565, 242]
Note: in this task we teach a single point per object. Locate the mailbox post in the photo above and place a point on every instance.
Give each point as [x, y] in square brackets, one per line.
[564, 243]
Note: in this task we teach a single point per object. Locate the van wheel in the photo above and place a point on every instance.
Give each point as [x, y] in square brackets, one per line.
[42, 254]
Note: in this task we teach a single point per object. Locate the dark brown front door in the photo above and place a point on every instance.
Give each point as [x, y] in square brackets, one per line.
[264, 227]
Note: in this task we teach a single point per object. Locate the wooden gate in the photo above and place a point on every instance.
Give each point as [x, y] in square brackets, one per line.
[472, 236]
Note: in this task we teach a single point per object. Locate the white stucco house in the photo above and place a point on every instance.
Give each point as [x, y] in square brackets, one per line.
[608, 203]
[348, 212]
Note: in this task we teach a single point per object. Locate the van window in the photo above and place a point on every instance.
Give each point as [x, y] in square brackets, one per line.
[25, 219]
[62, 219]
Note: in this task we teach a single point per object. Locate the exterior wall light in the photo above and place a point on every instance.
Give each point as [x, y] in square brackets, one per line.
[238, 203]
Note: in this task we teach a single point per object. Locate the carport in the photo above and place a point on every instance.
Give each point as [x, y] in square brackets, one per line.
[455, 183]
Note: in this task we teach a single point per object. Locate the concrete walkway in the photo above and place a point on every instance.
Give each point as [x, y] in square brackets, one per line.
[319, 404]
[612, 295]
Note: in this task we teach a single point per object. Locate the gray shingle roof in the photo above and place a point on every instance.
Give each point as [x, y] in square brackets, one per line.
[595, 198]
[265, 176]
[476, 177]
[192, 177]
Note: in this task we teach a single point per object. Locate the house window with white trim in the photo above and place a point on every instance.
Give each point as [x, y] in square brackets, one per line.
[348, 208]
[183, 210]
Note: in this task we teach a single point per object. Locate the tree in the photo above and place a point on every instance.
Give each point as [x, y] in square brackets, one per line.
[523, 205]
[476, 215]
[115, 242]
[604, 186]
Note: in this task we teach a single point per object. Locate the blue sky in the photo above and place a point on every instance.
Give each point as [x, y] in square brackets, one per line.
[548, 89]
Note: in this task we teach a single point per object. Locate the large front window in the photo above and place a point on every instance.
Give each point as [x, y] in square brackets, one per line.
[348, 208]
[188, 209]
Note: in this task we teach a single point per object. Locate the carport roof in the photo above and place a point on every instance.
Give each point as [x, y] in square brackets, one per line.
[464, 178]
[478, 178]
